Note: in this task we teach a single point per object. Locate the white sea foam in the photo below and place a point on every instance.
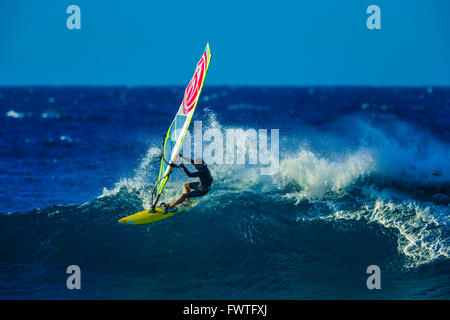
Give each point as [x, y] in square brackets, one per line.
[314, 174]
[50, 115]
[211, 121]
[317, 175]
[14, 114]
[405, 153]
[66, 138]
[140, 180]
[420, 228]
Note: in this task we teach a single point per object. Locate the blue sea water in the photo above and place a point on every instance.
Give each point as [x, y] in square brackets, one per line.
[363, 179]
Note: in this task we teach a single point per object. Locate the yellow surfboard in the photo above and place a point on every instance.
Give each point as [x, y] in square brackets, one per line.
[158, 214]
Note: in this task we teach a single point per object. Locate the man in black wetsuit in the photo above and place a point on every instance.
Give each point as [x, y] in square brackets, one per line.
[195, 189]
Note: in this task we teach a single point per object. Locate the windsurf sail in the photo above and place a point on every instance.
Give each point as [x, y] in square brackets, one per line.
[180, 125]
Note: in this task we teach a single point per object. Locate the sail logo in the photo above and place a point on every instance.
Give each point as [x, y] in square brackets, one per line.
[192, 91]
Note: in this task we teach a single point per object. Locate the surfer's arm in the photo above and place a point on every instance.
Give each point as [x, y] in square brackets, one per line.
[189, 174]
[187, 159]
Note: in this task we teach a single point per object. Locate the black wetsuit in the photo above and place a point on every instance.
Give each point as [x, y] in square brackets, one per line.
[199, 188]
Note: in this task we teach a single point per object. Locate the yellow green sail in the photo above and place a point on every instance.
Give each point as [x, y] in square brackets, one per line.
[180, 124]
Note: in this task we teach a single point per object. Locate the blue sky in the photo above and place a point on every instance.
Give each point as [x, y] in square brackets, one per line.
[294, 43]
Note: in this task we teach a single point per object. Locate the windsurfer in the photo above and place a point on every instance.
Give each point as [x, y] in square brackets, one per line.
[195, 189]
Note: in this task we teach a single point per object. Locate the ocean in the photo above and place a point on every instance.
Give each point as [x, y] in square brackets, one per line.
[363, 179]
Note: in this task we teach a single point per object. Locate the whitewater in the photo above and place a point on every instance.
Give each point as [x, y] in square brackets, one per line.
[363, 186]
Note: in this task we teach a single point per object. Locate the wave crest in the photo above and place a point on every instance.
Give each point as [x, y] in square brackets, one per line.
[316, 175]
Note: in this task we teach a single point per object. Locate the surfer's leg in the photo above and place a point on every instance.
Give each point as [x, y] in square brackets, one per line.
[190, 186]
[182, 198]
[195, 190]
[193, 185]
[197, 193]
